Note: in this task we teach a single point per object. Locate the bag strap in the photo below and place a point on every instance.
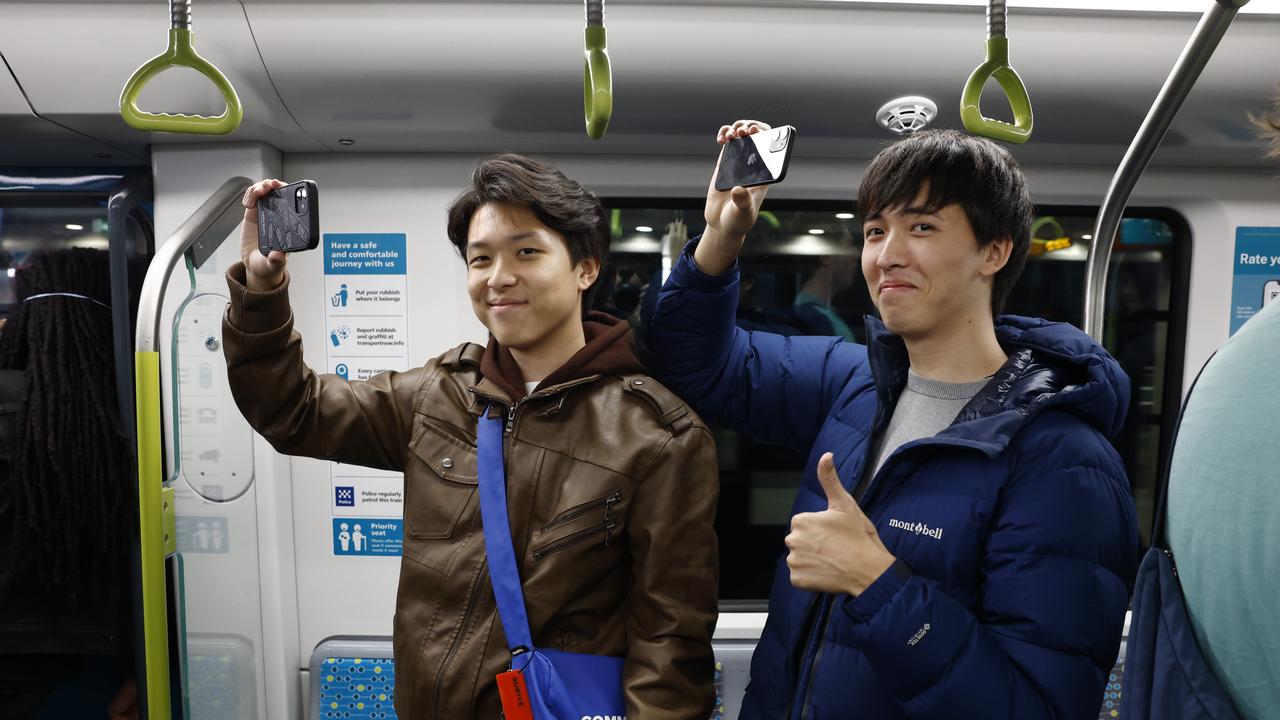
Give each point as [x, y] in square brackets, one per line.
[503, 570]
[1162, 482]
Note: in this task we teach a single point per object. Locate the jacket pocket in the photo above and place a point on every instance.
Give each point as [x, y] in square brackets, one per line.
[438, 491]
[603, 506]
[600, 527]
[602, 530]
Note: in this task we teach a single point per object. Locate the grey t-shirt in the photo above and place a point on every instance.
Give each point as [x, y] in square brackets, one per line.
[925, 408]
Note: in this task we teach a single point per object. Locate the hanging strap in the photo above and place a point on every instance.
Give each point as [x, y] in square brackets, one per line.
[503, 570]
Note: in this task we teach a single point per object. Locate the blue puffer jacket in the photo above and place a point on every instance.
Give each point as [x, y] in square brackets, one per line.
[1015, 529]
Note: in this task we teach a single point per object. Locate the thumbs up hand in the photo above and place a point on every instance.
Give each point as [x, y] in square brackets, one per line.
[837, 550]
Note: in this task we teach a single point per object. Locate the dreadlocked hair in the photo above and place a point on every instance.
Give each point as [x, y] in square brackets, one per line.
[74, 502]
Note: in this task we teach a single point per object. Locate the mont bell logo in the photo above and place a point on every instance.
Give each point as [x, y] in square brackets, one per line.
[344, 496]
[918, 528]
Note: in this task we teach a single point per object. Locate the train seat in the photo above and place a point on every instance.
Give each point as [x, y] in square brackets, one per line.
[351, 678]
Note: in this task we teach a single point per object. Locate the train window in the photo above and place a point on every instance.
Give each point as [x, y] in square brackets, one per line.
[801, 276]
[27, 227]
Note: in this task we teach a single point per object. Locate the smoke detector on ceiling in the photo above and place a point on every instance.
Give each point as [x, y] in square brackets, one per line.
[906, 115]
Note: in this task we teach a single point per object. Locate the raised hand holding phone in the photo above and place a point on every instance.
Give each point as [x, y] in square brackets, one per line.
[759, 158]
[289, 218]
[262, 272]
[729, 214]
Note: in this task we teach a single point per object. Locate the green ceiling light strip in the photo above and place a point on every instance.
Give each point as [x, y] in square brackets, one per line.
[180, 53]
[997, 67]
[597, 75]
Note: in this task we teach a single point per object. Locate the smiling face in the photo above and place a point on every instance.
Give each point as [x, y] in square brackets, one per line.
[975, 206]
[524, 286]
[925, 269]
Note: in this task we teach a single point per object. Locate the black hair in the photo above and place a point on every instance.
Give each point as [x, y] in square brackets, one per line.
[977, 174]
[561, 204]
[74, 500]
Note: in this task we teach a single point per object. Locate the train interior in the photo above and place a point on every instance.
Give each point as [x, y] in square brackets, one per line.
[274, 602]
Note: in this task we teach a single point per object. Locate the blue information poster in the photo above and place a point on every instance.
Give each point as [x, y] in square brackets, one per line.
[366, 324]
[367, 536]
[1257, 273]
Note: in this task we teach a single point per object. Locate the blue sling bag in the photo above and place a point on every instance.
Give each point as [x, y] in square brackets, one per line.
[542, 684]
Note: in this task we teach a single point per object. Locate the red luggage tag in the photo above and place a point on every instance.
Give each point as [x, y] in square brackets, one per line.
[515, 696]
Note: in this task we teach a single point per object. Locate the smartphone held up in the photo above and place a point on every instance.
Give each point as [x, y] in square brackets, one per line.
[758, 159]
[289, 218]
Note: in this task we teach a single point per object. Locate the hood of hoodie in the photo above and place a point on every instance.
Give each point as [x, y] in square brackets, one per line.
[1051, 365]
[610, 350]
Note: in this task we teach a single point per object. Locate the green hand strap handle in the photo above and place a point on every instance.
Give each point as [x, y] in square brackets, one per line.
[180, 53]
[1050, 222]
[597, 84]
[997, 66]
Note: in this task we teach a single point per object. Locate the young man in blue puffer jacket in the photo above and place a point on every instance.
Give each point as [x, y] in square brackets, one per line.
[964, 541]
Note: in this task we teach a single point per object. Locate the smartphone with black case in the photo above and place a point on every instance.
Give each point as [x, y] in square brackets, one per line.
[289, 218]
[759, 159]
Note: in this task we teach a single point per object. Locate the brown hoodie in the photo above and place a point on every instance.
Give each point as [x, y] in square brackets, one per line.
[611, 492]
[610, 350]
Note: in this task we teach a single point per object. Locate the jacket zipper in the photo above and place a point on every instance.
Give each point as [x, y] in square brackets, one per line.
[457, 640]
[817, 659]
[578, 511]
[572, 539]
[821, 637]
[511, 417]
[862, 502]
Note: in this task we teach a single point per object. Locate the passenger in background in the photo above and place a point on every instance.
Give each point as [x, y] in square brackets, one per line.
[794, 319]
[964, 541]
[67, 499]
[1223, 528]
[825, 277]
[611, 479]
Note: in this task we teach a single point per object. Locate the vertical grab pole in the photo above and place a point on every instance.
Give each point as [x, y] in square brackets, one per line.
[1213, 25]
[131, 191]
[151, 536]
[215, 219]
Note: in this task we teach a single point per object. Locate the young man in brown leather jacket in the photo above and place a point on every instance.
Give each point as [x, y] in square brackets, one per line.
[611, 479]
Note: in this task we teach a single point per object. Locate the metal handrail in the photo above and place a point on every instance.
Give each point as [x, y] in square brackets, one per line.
[203, 233]
[127, 196]
[200, 236]
[132, 190]
[1185, 72]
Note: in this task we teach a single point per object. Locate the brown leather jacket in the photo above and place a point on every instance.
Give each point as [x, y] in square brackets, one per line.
[612, 485]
